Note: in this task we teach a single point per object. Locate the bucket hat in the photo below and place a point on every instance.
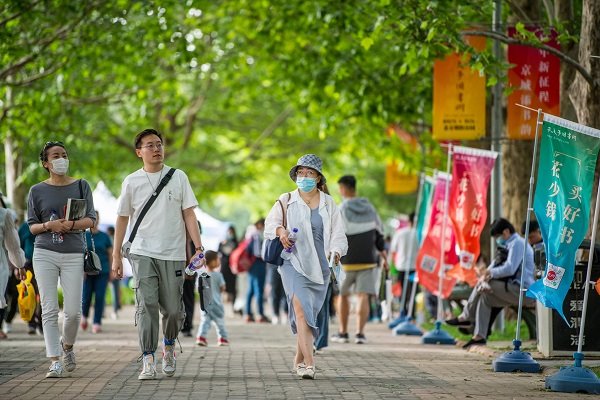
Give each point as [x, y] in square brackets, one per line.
[309, 161]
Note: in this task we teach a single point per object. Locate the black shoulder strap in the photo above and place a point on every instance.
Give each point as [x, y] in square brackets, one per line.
[151, 200]
[80, 189]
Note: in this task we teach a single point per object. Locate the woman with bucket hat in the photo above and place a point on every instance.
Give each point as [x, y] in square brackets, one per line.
[305, 274]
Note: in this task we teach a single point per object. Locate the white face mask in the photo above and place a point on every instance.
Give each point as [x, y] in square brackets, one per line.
[60, 166]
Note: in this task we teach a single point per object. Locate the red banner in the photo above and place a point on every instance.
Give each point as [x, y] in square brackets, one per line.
[471, 172]
[535, 81]
[428, 259]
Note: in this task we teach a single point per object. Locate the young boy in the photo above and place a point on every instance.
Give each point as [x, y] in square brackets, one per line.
[215, 312]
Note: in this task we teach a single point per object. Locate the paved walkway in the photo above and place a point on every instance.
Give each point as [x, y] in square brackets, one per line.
[258, 364]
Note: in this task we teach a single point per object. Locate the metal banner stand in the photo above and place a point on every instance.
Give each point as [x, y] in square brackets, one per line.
[578, 379]
[517, 360]
[438, 335]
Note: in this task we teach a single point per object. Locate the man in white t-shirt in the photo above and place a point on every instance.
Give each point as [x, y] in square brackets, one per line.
[158, 251]
[403, 250]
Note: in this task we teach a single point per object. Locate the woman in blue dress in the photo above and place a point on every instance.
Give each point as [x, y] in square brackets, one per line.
[305, 274]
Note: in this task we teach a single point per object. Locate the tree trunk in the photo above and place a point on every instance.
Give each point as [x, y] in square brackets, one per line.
[586, 96]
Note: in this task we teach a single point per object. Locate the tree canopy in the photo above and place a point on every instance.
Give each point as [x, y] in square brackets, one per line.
[240, 89]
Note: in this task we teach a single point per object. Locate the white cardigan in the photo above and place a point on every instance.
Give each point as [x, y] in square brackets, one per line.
[304, 258]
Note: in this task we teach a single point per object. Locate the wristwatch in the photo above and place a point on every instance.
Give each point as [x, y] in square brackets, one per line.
[200, 249]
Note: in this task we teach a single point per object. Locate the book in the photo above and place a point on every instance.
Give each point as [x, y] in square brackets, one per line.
[76, 209]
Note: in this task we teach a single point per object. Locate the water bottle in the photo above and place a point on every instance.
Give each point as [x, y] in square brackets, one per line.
[56, 236]
[197, 262]
[286, 254]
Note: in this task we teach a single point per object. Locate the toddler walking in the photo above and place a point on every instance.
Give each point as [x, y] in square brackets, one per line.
[215, 312]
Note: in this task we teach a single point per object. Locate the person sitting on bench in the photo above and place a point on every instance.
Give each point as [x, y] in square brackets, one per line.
[498, 286]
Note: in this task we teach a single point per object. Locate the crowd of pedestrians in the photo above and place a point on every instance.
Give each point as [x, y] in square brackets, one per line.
[156, 210]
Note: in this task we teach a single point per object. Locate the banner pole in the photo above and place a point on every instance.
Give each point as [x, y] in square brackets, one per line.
[440, 310]
[586, 292]
[527, 221]
[518, 360]
[403, 325]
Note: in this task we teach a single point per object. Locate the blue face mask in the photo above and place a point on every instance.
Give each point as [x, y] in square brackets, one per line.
[500, 241]
[306, 184]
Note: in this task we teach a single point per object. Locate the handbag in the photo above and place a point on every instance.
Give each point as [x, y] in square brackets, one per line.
[126, 247]
[91, 261]
[272, 248]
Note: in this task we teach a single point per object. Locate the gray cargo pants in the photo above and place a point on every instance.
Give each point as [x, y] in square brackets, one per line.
[157, 283]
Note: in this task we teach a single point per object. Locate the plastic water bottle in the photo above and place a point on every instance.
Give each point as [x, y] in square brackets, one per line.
[197, 262]
[286, 254]
[56, 236]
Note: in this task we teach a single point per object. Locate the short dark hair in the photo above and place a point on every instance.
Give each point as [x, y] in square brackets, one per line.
[143, 134]
[47, 145]
[349, 181]
[499, 225]
[411, 218]
[533, 226]
[211, 256]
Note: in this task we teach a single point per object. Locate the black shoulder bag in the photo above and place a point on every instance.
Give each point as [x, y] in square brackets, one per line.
[91, 261]
[272, 248]
[127, 245]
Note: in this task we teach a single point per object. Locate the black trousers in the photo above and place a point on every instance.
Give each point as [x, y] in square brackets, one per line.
[188, 303]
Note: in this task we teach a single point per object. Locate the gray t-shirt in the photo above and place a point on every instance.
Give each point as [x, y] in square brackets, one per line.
[44, 199]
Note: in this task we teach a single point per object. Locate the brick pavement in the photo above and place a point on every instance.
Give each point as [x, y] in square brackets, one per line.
[258, 364]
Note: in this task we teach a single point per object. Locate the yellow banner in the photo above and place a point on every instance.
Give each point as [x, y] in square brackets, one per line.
[397, 182]
[458, 98]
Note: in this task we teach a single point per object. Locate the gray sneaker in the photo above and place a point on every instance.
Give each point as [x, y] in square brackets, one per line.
[340, 338]
[148, 368]
[68, 358]
[300, 369]
[168, 361]
[56, 370]
[360, 339]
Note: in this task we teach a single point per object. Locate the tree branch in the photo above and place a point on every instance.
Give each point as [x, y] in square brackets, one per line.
[29, 80]
[268, 131]
[562, 56]
[17, 15]
[192, 112]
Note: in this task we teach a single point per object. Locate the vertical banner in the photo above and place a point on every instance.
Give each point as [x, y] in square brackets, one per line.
[471, 173]
[428, 258]
[535, 81]
[458, 97]
[397, 182]
[562, 203]
[424, 208]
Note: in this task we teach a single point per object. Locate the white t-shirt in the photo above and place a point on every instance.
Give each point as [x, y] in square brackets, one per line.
[404, 247]
[161, 234]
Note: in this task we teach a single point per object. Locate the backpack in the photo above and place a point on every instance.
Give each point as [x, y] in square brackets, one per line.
[241, 259]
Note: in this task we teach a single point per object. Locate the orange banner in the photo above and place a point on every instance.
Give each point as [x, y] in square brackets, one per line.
[429, 257]
[397, 182]
[535, 80]
[458, 97]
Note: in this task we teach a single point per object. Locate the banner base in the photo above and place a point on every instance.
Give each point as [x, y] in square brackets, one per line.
[438, 336]
[574, 379]
[402, 318]
[516, 360]
[407, 328]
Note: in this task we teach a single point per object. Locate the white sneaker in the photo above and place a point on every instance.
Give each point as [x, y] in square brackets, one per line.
[68, 358]
[309, 373]
[56, 370]
[300, 369]
[168, 360]
[275, 320]
[148, 368]
[7, 328]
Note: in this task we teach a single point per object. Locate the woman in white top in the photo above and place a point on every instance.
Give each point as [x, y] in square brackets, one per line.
[306, 274]
[9, 240]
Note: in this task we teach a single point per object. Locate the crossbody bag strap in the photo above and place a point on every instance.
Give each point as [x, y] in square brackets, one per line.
[283, 210]
[149, 203]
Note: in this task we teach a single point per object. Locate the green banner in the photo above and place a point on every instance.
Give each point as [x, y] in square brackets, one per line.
[565, 179]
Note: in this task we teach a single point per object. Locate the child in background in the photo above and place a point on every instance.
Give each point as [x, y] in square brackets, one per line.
[215, 312]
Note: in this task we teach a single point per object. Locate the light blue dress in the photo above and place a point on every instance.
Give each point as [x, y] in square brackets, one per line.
[311, 294]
